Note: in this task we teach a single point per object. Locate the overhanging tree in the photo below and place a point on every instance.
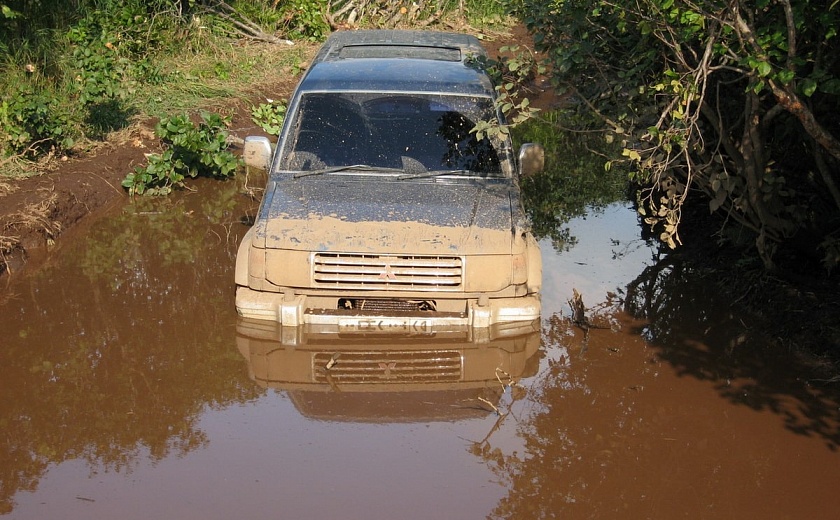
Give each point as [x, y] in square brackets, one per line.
[734, 99]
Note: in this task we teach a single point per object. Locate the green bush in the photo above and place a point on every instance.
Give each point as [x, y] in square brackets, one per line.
[269, 116]
[33, 122]
[306, 19]
[72, 70]
[191, 150]
[111, 51]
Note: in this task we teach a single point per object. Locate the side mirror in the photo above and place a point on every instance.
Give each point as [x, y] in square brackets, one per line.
[257, 152]
[531, 159]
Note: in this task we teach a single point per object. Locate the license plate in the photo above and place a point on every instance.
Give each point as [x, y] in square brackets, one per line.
[385, 325]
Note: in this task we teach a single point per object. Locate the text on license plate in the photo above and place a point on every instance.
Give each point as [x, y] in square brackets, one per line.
[397, 325]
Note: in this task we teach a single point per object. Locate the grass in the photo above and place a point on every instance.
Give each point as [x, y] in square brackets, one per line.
[484, 15]
[16, 167]
[193, 66]
[6, 188]
[222, 71]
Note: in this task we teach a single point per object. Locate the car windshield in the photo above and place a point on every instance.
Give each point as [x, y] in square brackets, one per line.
[413, 133]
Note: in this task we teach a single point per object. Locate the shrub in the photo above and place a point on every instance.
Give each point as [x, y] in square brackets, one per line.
[33, 122]
[270, 116]
[191, 150]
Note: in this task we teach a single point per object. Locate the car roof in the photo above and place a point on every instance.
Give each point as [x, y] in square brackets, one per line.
[396, 39]
[399, 61]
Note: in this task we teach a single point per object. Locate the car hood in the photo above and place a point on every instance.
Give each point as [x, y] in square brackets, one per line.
[376, 216]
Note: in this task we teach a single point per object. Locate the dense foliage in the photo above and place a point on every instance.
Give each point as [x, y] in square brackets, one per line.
[74, 72]
[69, 69]
[192, 150]
[736, 102]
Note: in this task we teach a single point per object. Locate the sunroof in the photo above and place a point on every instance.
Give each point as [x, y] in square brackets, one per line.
[400, 51]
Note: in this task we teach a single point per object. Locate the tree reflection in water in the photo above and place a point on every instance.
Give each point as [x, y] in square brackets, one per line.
[607, 431]
[574, 181]
[116, 351]
[617, 430]
[713, 342]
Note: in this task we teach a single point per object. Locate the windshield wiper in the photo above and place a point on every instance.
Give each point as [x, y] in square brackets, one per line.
[351, 167]
[433, 173]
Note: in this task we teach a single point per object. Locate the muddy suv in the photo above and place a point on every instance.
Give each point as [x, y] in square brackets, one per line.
[383, 212]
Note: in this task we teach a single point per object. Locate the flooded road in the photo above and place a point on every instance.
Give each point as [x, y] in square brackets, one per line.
[131, 390]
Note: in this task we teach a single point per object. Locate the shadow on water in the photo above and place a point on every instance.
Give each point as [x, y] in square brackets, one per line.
[626, 419]
[700, 333]
[703, 336]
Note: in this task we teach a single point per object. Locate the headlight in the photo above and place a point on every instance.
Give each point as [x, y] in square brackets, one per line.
[487, 273]
[287, 268]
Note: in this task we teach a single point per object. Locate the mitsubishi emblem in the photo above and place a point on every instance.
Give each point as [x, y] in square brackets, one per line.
[387, 367]
[388, 273]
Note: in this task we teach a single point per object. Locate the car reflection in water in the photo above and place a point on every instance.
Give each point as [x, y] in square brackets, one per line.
[389, 378]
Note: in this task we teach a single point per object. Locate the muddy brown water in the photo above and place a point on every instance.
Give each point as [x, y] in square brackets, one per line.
[131, 390]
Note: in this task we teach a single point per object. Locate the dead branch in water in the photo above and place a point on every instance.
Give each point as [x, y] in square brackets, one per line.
[579, 311]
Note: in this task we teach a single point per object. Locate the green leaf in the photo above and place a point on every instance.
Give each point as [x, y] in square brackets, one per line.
[8, 13]
[633, 155]
[764, 69]
[808, 86]
[786, 76]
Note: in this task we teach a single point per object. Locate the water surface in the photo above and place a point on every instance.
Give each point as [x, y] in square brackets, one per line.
[131, 390]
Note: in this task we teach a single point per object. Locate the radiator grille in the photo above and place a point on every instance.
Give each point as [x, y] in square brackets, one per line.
[421, 366]
[348, 271]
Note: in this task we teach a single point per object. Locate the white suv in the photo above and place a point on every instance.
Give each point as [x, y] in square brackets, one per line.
[383, 212]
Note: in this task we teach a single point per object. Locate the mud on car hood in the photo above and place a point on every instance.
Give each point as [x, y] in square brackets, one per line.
[330, 214]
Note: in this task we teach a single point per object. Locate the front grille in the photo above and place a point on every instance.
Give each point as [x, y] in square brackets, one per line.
[359, 271]
[417, 366]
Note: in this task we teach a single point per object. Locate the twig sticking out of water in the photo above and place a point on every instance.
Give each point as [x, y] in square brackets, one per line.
[579, 317]
[510, 381]
[491, 405]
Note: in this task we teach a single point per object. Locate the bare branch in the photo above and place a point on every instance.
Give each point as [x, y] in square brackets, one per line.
[244, 26]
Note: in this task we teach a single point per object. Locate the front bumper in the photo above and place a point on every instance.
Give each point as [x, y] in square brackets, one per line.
[291, 310]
